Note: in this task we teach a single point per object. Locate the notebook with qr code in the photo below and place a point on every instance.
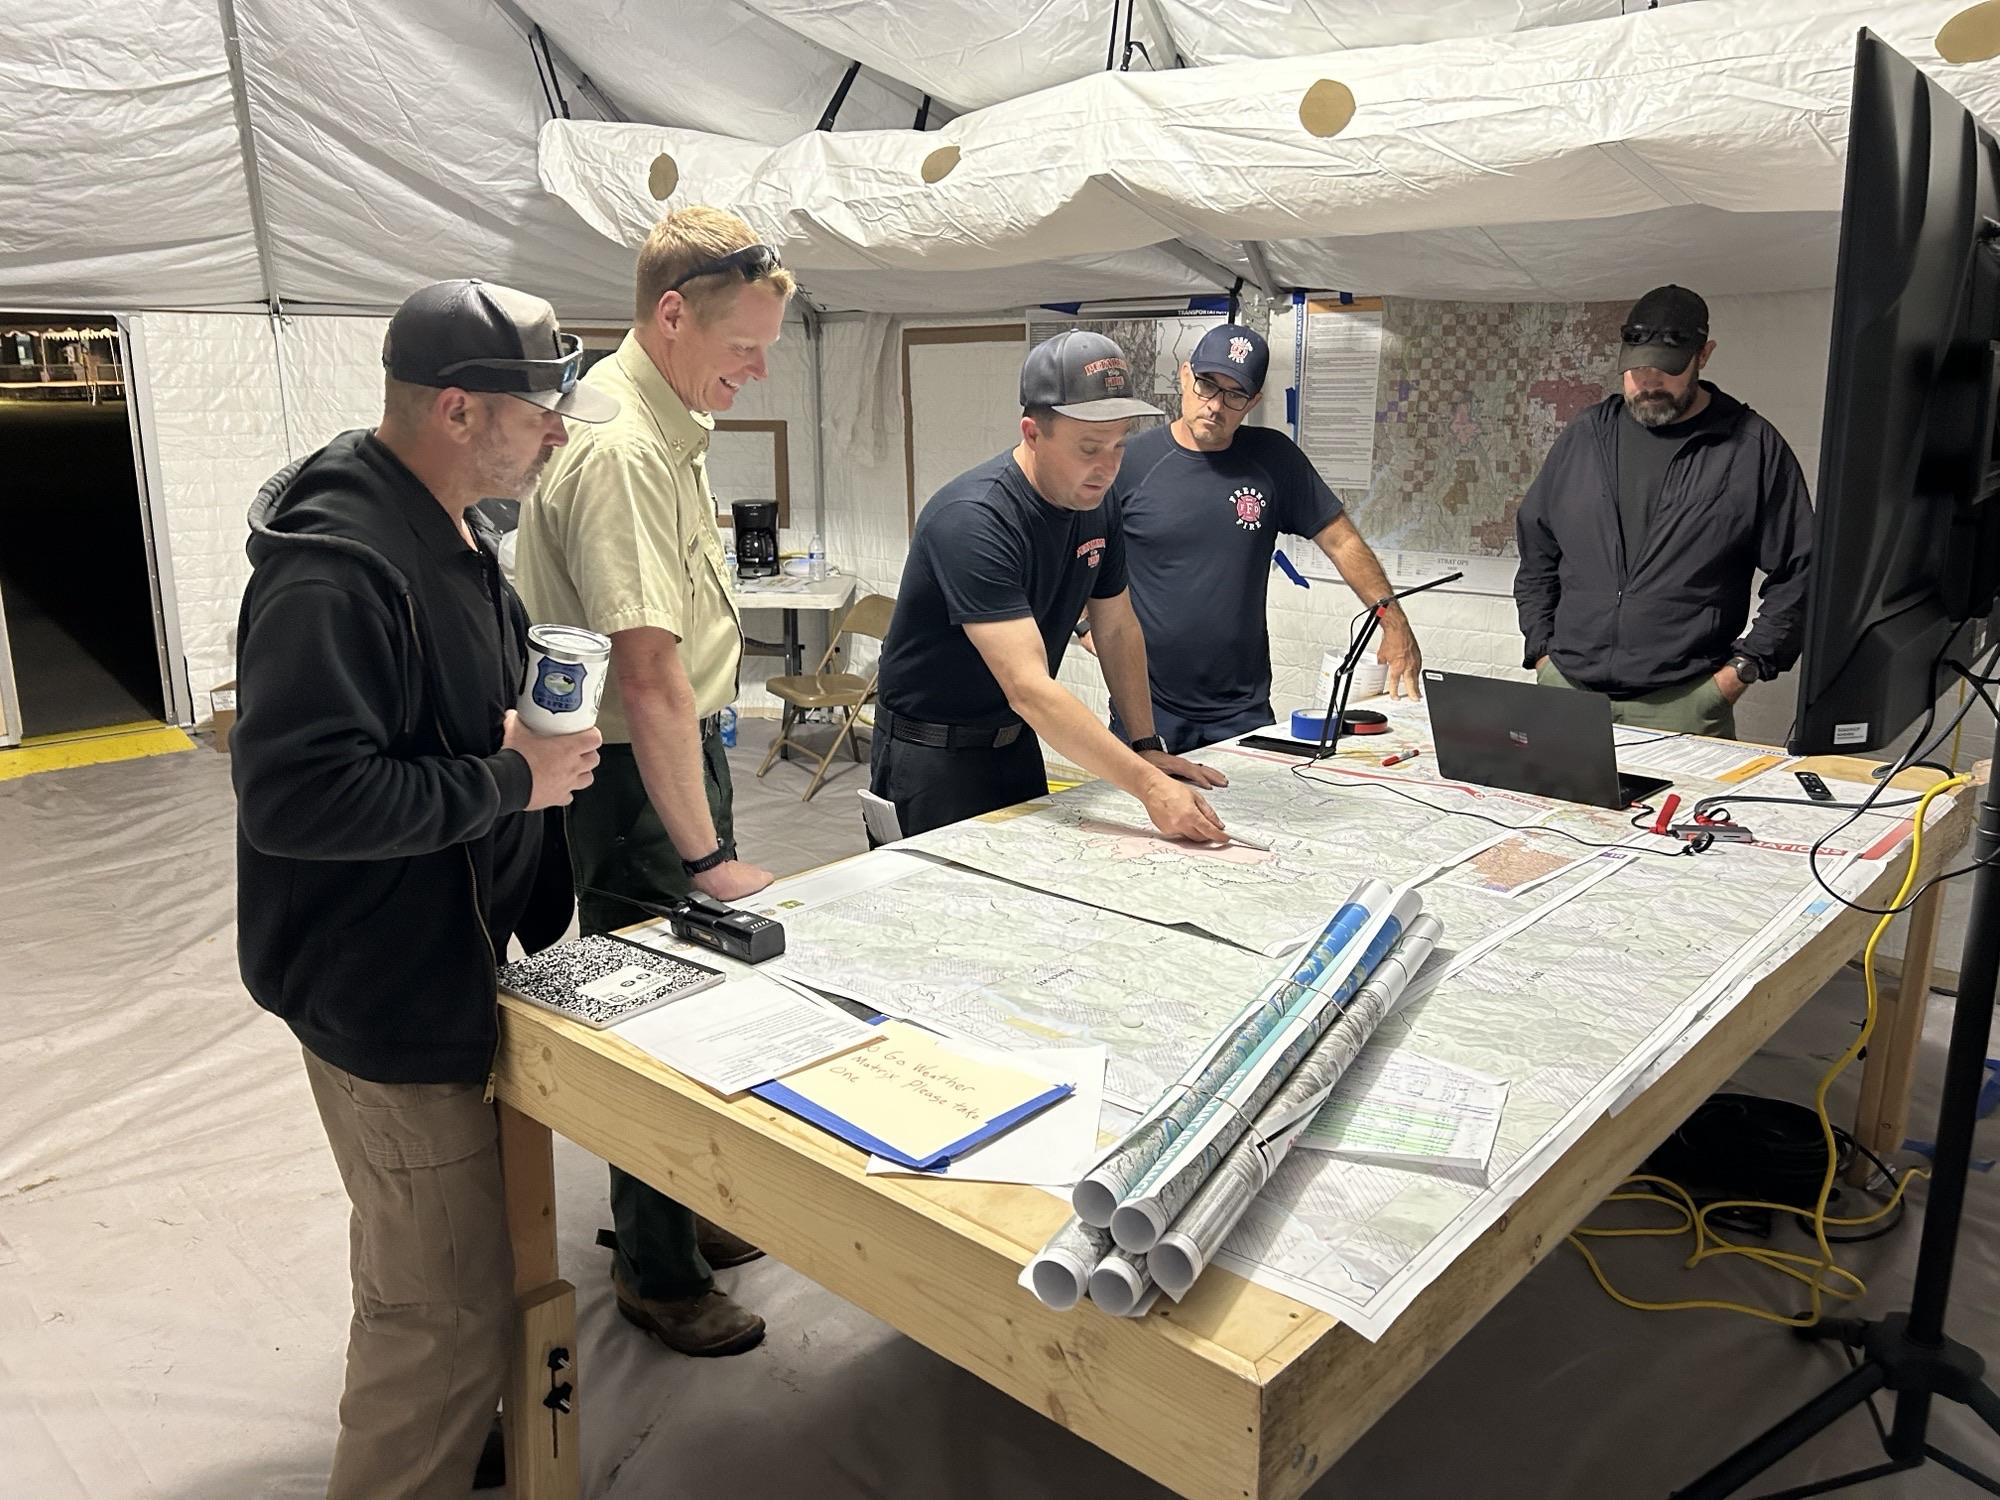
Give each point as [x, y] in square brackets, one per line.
[601, 981]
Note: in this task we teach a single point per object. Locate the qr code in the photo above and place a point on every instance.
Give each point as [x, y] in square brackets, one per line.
[601, 981]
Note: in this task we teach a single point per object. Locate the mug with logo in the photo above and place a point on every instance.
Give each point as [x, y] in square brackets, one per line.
[565, 679]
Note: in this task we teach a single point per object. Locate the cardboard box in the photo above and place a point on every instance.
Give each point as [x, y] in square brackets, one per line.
[222, 708]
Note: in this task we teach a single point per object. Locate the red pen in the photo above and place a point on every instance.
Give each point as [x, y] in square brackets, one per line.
[1397, 760]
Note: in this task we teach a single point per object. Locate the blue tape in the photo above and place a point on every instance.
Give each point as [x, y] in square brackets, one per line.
[1284, 565]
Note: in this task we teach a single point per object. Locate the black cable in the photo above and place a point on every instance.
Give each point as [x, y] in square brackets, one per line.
[1903, 763]
[1303, 771]
[1651, 739]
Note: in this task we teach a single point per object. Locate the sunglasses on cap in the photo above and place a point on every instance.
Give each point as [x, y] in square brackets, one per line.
[558, 374]
[1209, 390]
[1672, 338]
[754, 261]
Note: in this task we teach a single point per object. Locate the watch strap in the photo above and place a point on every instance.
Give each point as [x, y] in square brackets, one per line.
[1149, 742]
[707, 862]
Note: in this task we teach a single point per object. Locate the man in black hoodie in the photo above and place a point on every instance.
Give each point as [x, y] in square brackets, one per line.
[390, 841]
[1641, 535]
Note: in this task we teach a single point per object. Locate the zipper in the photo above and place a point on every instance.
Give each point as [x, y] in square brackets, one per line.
[471, 874]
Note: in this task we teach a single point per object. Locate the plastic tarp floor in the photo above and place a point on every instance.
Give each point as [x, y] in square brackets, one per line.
[173, 1294]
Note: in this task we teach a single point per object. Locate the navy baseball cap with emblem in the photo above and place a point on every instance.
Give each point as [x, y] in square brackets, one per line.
[1235, 351]
[1082, 375]
[1664, 331]
[478, 336]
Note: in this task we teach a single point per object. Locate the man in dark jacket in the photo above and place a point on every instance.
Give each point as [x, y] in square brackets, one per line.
[390, 842]
[1640, 537]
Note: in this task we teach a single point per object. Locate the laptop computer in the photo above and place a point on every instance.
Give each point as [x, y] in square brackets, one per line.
[1523, 737]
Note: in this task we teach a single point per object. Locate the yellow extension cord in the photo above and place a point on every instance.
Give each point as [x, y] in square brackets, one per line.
[1694, 1219]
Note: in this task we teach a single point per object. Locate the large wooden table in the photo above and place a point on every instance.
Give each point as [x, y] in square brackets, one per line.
[1238, 1393]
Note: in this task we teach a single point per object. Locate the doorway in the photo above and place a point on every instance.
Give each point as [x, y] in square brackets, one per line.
[80, 629]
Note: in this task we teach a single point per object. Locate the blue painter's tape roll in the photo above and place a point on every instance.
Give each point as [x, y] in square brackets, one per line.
[1307, 725]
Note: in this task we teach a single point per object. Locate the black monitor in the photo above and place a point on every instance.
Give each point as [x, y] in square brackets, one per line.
[1906, 535]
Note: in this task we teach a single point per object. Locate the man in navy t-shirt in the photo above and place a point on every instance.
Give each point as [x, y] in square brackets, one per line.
[1003, 560]
[1204, 501]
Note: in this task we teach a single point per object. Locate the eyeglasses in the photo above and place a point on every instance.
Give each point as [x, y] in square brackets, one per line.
[564, 370]
[1208, 390]
[1673, 338]
[754, 261]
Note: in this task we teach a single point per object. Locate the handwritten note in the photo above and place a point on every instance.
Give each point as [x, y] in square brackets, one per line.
[912, 1091]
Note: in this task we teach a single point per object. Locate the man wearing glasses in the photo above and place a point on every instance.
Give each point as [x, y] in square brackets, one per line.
[1205, 499]
[621, 538]
[1641, 534]
[390, 842]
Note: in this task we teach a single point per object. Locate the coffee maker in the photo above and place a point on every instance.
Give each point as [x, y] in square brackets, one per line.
[756, 538]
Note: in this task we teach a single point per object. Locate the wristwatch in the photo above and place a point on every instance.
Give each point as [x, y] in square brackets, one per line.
[1747, 667]
[1150, 742]
[705, 863]
[1080, 629]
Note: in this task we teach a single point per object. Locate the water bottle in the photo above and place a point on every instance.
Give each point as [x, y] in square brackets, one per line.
[729, 727]
[816, 558]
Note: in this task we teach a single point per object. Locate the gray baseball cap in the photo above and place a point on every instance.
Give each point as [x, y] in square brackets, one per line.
[1082, 375]
[478, 336]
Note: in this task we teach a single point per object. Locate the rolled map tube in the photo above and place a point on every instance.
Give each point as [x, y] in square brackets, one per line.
[1120, 1284]
[1202, 1228]
[1158, 1197]
[1060, 1271]
[1097, 1196]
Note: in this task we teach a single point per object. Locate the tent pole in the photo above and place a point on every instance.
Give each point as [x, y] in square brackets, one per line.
[253, 182]
[816, 333]
[839, 96]
[559, 61]
[1260, 269]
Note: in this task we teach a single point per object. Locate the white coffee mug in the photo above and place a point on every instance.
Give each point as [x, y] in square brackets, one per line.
[565, 678]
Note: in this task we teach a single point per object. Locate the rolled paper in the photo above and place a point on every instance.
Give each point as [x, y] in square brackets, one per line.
[1195, 1237]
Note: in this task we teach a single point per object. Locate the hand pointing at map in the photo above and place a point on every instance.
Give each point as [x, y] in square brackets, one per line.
[1181, 812]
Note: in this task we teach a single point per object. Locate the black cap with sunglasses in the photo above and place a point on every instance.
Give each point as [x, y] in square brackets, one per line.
[476, 336]
[1664, 331]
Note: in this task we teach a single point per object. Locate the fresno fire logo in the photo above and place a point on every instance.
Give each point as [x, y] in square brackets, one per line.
[1249, 505]
[1114, 372]
[1239, 350]
[1092, 551]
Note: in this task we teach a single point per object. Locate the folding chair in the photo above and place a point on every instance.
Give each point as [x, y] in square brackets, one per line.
[846, 691]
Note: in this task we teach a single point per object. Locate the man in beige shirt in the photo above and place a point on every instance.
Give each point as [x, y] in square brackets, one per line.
[621, 538]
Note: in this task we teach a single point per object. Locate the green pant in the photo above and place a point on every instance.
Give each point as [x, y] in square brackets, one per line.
[617, 843]
[1693, 707]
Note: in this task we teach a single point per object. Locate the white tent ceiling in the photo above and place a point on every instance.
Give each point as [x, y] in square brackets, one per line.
[394, 141]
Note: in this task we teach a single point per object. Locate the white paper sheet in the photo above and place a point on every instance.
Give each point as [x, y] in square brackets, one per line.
[1402, 1109]
[744, 1033]
[1050, 1149]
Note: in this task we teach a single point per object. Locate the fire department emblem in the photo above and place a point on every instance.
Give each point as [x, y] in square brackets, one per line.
[1249, 504]
[1239, 350]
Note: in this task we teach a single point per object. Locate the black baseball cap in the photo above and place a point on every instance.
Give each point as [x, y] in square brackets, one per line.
[477, 336]
[1664, 331]
[1082, 375]
[1235, 351]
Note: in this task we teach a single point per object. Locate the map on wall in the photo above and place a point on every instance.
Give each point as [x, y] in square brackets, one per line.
[1469, 397]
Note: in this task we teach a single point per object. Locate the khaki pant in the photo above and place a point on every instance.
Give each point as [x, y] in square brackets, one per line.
[1695, 707]
[433, 1273]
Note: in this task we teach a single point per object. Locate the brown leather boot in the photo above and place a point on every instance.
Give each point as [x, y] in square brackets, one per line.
[720, 1248]
[707, 1325]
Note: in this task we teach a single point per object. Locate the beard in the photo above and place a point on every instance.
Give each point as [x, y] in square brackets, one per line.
[503, 478]
[1661, 408]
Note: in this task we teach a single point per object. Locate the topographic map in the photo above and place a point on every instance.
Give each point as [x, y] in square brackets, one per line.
[1013, 967]
[1574, 973]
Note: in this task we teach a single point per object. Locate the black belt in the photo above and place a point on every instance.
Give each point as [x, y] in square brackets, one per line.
[947, 736]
